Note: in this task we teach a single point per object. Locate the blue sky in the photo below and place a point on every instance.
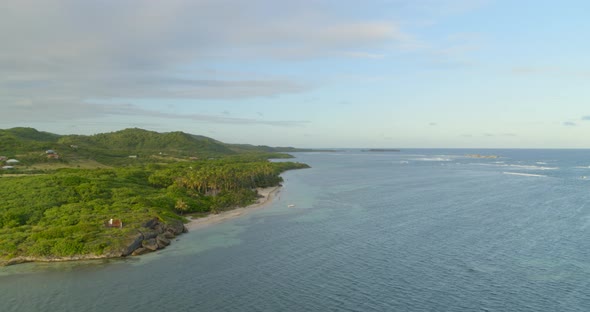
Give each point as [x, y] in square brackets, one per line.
[316, 73]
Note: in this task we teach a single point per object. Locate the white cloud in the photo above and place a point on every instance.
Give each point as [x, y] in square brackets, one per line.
[54, 110]
[62, 53]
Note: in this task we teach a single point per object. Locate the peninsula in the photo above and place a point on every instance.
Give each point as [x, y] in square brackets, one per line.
[119, 194]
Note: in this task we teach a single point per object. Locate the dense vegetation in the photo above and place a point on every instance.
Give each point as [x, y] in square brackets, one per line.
[128, 147]
[62, 212]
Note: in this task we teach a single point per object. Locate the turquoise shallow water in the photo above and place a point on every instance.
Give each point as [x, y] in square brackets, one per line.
[420, 230]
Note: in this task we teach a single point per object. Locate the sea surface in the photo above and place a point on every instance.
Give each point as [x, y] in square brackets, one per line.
[416, 230]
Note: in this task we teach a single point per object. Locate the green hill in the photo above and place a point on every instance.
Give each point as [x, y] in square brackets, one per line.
[124, 147]
[32, 134]
[139, 140]
[60, 199]
[18, 140]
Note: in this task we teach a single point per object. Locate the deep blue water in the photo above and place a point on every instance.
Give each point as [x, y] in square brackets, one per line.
[419, 230]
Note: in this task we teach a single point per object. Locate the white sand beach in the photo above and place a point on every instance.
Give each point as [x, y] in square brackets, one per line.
[268, 194]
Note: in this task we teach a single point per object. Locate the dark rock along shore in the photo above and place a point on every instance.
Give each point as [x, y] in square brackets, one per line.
[154, 235]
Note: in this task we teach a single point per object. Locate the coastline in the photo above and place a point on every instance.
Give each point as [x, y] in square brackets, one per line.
[268, 194]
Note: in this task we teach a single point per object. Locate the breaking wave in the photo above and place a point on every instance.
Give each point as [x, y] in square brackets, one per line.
[521, 167]
[524, 174]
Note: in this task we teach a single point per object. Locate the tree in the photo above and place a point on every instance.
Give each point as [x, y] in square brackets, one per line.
[181, 206]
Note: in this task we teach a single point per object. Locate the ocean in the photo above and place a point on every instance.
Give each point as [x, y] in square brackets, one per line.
[416, 230]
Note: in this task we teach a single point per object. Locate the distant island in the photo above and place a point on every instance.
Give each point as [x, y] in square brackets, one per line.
[382, 150]
[72, 197]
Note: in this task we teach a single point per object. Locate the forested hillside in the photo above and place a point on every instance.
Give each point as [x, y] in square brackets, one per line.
[125, 147]
[60, 213]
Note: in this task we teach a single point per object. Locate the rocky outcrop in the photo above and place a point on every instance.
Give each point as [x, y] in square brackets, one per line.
[150, 234]
[150, 244]
[151, 223]
[162, 241]
[176, 227]
[140, 251]
[135, 243]
[154, 235]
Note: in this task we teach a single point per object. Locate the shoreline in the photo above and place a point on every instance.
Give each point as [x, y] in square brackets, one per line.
[268, 194]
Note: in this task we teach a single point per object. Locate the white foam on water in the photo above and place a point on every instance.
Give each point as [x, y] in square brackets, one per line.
[432, 159]
[521, 167]
[524, 174]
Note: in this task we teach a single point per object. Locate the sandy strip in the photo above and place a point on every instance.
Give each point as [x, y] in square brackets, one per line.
[267, 196]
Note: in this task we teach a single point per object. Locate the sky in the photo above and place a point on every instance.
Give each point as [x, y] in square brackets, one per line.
[309, 73]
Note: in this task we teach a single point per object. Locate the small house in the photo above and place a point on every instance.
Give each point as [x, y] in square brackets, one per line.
[12, 161]
[114, 223]
[133, 156]
[50, 152]
[7, 167]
